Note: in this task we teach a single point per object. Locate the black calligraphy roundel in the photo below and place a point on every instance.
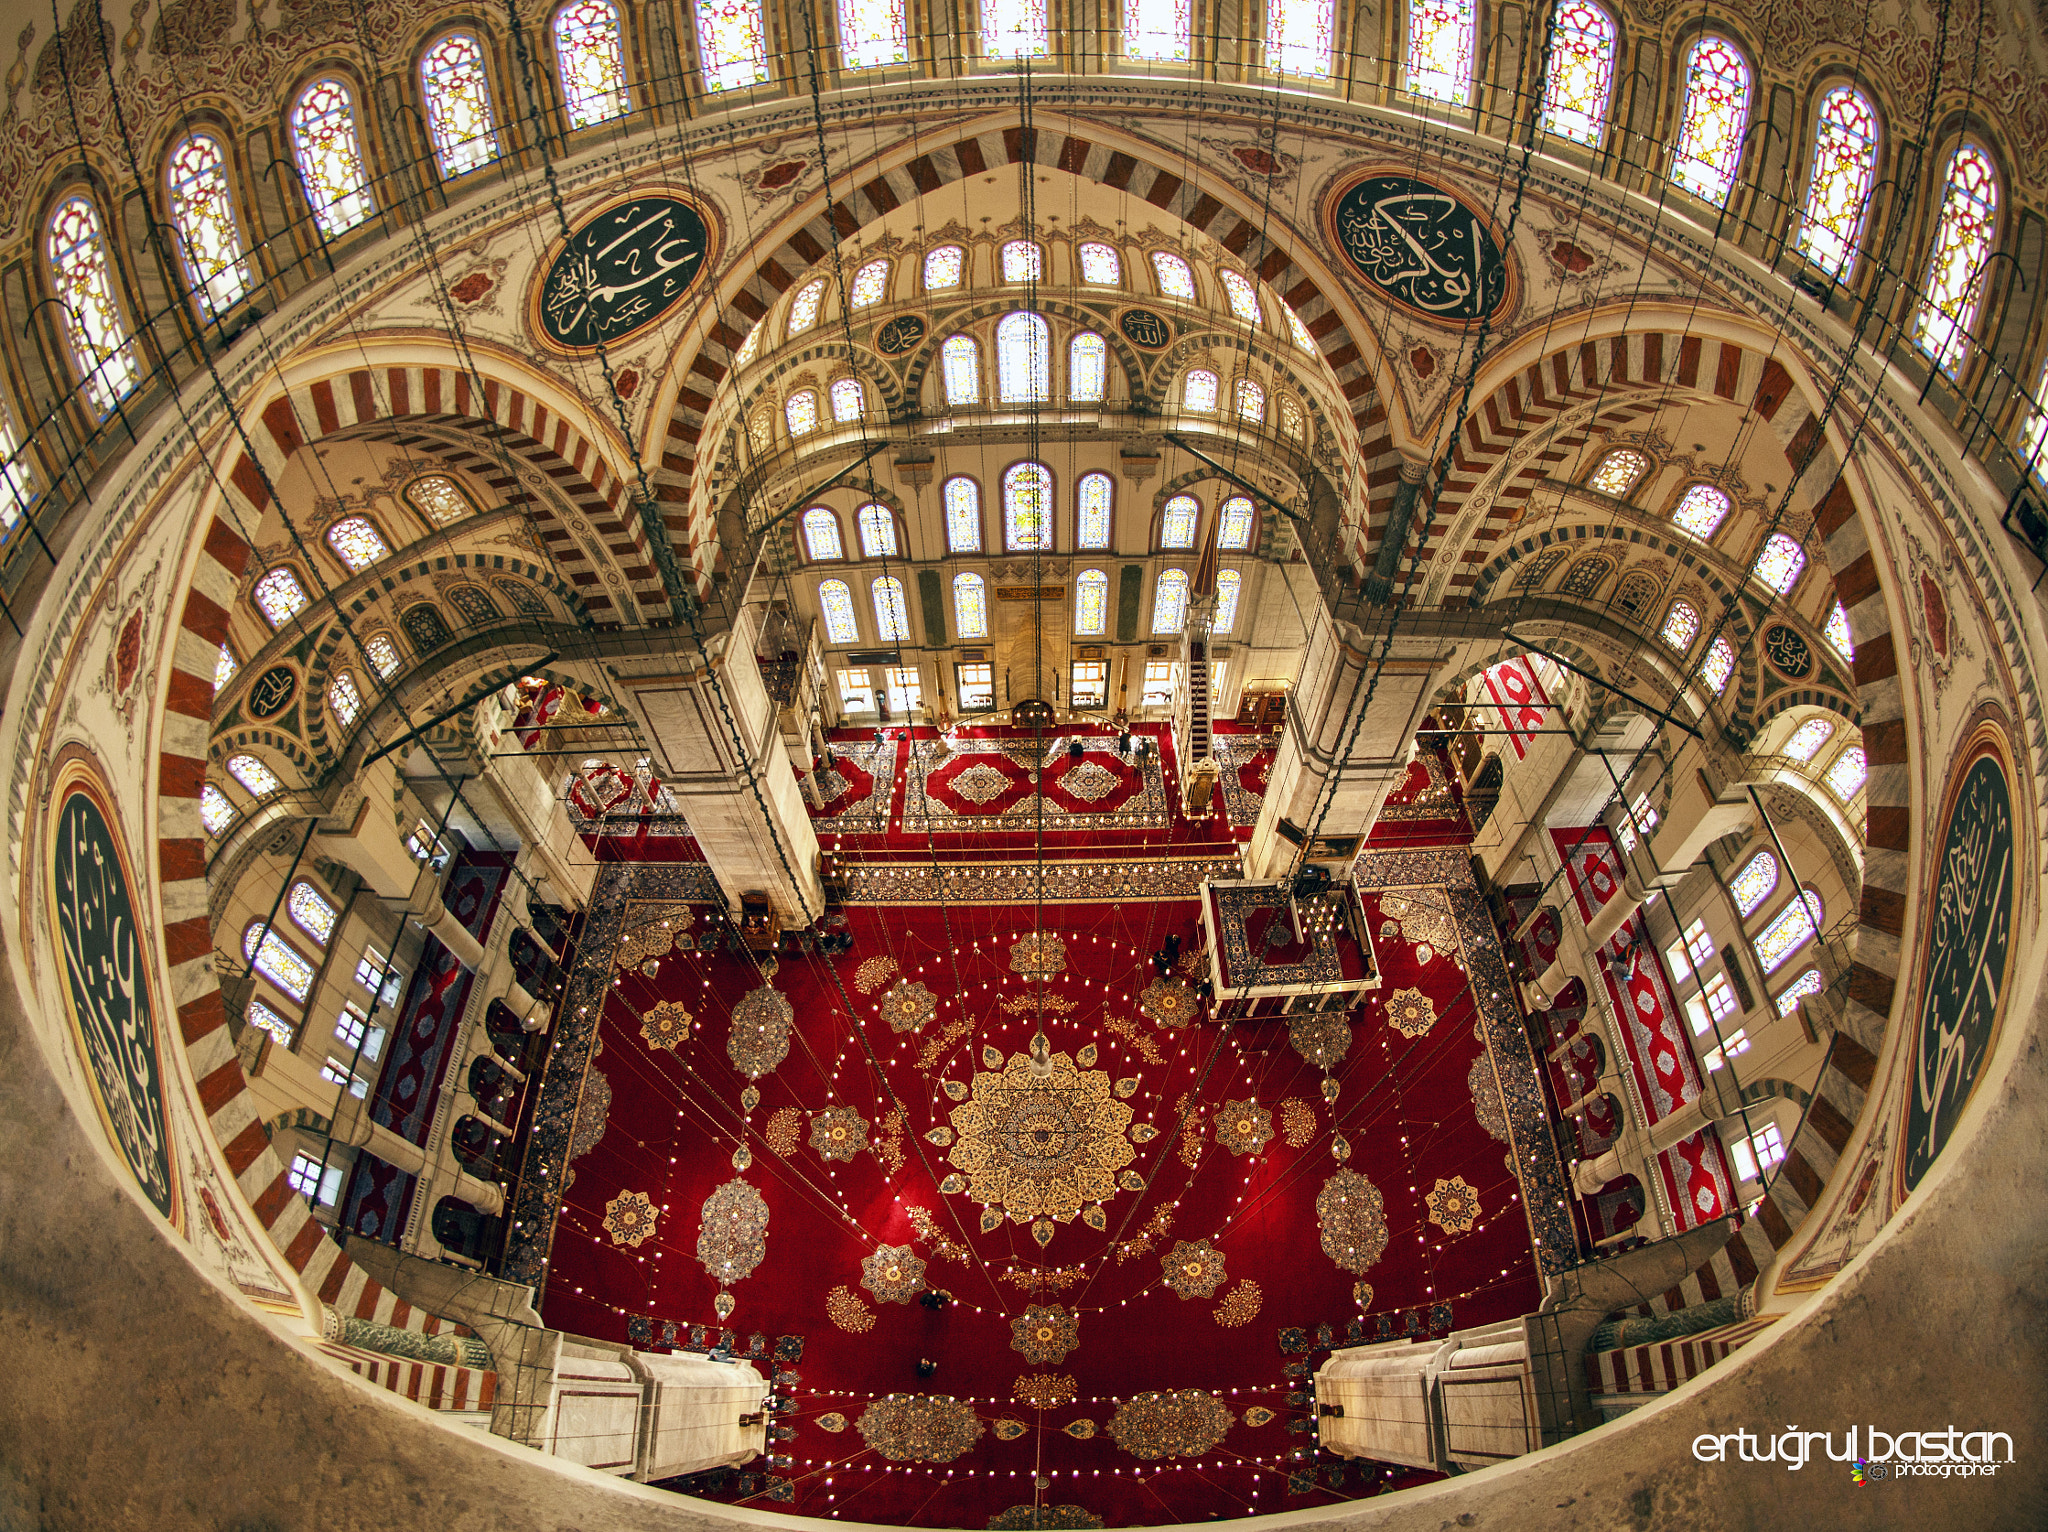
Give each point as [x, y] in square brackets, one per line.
[1144, 328]
[1784, 648]
[621, 271]
[1420, 246]
[899, 334]
[272, 692]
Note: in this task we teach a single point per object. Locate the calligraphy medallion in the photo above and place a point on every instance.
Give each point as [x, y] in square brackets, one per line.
[1420, 246]
[899, 335]
[620, 272]
[1145, 329]
[272, 692]
[1789, 652]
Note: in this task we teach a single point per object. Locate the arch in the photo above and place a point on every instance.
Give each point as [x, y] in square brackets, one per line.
[590, 62]
[1094, 511]
[1839, 180]
[1966, 223]
[455, 92]
[821, 535]
[1023, 359]
[1579, 87]
[1714, 105]
[327, 145]
[80, 262]
[1027, 508]
[963, 514]
[970, 605]
[201, 203]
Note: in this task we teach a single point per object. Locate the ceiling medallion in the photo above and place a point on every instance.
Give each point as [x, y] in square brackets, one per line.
[1193, 1268]
[1244, 1127]
[1170, 1001]
[1044, 1390]
[893, 1273]
[666, 1025]
[839, 1133]
[1180, 1424]
[733, 1238]
[1420, 246]
[1321, 1037]
[1045, 1333]
[1454, 1205]
[1040, 1144]
[919, 1428]
[846, 1310]
[629, 1219]
[1410, 1012]
[760, 1032]
[1788, 651]
[1038, 955]
[620, 272]
[1353, 1220]
[908, 1006]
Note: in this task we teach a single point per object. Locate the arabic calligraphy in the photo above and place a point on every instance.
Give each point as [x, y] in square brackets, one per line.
[1144, 328]
[272, 692]
[899, 334]
[1784, 648]
[1421, 246]
[622, 271]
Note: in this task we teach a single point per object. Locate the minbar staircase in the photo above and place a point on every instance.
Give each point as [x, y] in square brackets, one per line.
[1196, 745]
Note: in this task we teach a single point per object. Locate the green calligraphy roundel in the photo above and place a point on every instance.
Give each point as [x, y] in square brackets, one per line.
[1420, 246]
[621, 272]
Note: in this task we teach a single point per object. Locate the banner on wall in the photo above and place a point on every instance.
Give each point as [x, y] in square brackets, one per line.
[1520, 698]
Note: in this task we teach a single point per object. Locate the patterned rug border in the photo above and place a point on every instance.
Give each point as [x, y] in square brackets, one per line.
[921, 812]
[1012, 882]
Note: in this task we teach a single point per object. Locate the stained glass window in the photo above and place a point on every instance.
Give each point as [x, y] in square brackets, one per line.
[877, 531]
[1585, 577]
[944, 267]
[751, 346]
[1442, 37]
[1228, 583]
[870, 284]
[591, 58]
[1836, 632]
[892, 618]
[1808, 983]
[1791, 930]
[311, 913]
[100, 347]
[732, 43]
[1251, 401]
[1753, 885]
[458, 101]
[1199, 392]
[1244, 298]
[277, 961]
[960, 360]
[1718, 665]
[1538, 569]
[17, 484]
[1014, 29]
[803, 312]
[1022, 261]
[1807, 739]
[1087, 368]
[1838, 189]
[761, 432]
[1023, 359]
[1297, 329]
[1963, 235]
[264, 1019]
[1176, 276]
[215, 812]
[1178, 520]
[1091, 603]
[1099, 264]
[346, 701]
[1157, 30]
[847, 402]
[1681, 625]
[1780, 562]
[1636, 593]
[253, 774]
[1238, 518]
[330, 156]
[425, 627]
[224, 667]
[963, 515]
[382, 654]
[1300, 35]
[1710, 126]
[1847, 774]
[970, 605]
[203, 213]
[1170, 601]
[280, 597]
[1618, 472]
[1701, 510]
[821, 534]
[1027, 507]
[1290, 418]
[873, 34]
[357, 542]
[438, 498]
[835, 600]
[802, 412]
[1093, 499]
[1581, 81]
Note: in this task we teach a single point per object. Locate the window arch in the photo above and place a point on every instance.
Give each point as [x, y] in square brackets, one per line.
[970, 606]
[1964, 232]
[1792, 929]
[1023, 261]
[1779, 562]
[963, 514]
[1251, 402]
[253, 774]
[1700, 511]
[873, 34]
[1638, 589]
[732, 44]
[1808, 983]
[1836, 632]
[1027, 508]
[1235, 534]
[1091, 603]
[1298, 330]
[1838, 185]
[1094, 504]
[1087, 368]
[1170, 601]
[1014, 29]
[280, 597]
[1618, 472]
[1846, 776]
[835, 600]
[1178, 520]
[821, 534]
[457, 92]
[329, 151]
[473, 605]
[1580, 85]
[1806, 740]
[425, 628]
[1291, 420]
[801, 412]
[751, 346]
[1443, 37]
[1157, 31]
[1681, 626]
[761, 432]
[1176, 276]
[849, 402]
[960, 362]
[1718, 665]
[439, 498]
[1198, 393]
[357, 542]
[101, 349]
[265, 1019]
[944, 267]
[870, 284]
[1100, 264]
[1538, 569]
[877, 525]
[1023, 359]
[311, 912]
[590, 57]
[1585, 577]
[892, 617]
[344, 699]
[1244, 298]
[278, 961]
[382, 654]
[803, 309]
[1229, 583]
[202, 208]
[1708, 149]
[17, 479]
[1752, 886]
[1301, 36]
[215, 812]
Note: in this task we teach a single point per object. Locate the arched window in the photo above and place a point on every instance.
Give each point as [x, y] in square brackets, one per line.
[1087, 368]
[1290, 418]
[1093, 499]
[278, 961]
[835, 600]
[458, 101]
[803, 310]
[1238, 517]
[203, 212]
[801, 412]
[1178, 520]
[311, 912]
[870, 284]
[1091, 603]
[1023, 261]
[1228, 583]
[1538, 569]
[1251, 402]
[1014, 29]
[1027, 508]
[821, 534]
[761, 432]
[1443, 36]
[1618, 472]
[1752, 886]
[1808, 983]
[1157, 31]
[1580, 85]
[1848, 773]
[751, 346]
[892, 618]
[1836, 632]
[960, 361]
[847, 402]
[357, 542]
[1023, 359]
[100, 347]
[343, 697]
[1963, 236]
[424, 626]
[224, 667]
[1838, 187]
[1681, 626]
[732, 44]
[970, 606]
[1792, 929]
[280, 597]
[382, 654]
[264, 1019]
[215, 812]
[1298, 330]
[1636, 593]
[438, 498]
[475, 607]
[877, 531]
[1701, 510]
[1100, 264]
[1807, 739]
[1300, 36]
[253, 774]
[17, 480]
[330, 156]
[1718, 665]
[1170, 601]
[873, 34]
[963, 515]
[1585, 577]
[590, 56]
[1198, 393]
[1780, 562]
[1176, 276]
[1708, 150]
[1244, 298]
[944, 267]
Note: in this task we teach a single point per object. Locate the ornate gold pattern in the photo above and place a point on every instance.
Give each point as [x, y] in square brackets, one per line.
[760, 1032]
[844, 1308]
[1080, 1430]
[888, 1143]
[1454, 1205]
[666, 1025]
[1090, 782]
[1137, 1037]
[1321, 1037]
[1169, 1001]
[832, 1421]
[1044, 1390]
[1257, 1415]
[873, 973]
[629, 1218]
[839, 1133]
[784, 1130]
[1044, 1279]
[920, 1428]
[1422, 918]
[1353, 1219]
[1410, 1012]
[1194, 1269]
[925, 1223]
[893, 1273]
[908, 1006]
[1486, 1103]
[1240, 1306]
[1045, 1333]
[1361, 1294]
[1297, 1122]
[1042, 1144]
[1034, 1003]
[733, 1239]
[980, 783]
[1182, 1423]
[1038, 955]
[1244, 1127]
[654, 937]
[1044, 1518]
[940, 1043]
[1008, 1430]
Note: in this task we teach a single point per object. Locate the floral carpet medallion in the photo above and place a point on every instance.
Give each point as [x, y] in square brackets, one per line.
[1243, 1127]
[1193, 1268]
[1044, 1518]
[1321, 1037]
[666, 1025]
[1454, 1205]
[1240, 1306]
[1040, 1145]
[839, 1133]
[760, 1032]
[893, 1273]
[1045, 1333]
[1038, 955]
[908, 1006]
[1044, 1390]
[629, 1218]
[1410, 1012]
[1183, 1423]
[844, 1308]
[981, 783]
[920, 1428]
[1091, 783]
[733, 1237]
[1353, 1219]
[1170, 1001]
[785, 1124]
